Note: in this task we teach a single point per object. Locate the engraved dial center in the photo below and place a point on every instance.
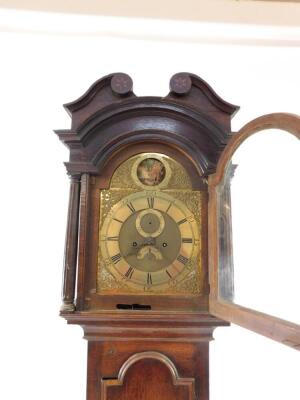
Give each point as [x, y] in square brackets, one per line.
[150, 229]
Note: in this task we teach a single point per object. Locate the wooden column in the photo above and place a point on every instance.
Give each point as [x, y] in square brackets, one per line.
[70, 259]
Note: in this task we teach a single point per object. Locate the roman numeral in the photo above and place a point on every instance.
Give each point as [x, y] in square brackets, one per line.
[150, 201]
[129, 273]
[131, 207]
[169, 206]
[182, 221]
[168, 273]
[116, 258]
[149, 279]
[113, 238]
[187, 240]
[118, 220]
[182, 259]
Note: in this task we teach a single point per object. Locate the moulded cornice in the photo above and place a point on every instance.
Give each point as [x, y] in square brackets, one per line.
[143, 106]
[167, 326]
[90, 94]
[109, 116]
[202, 86]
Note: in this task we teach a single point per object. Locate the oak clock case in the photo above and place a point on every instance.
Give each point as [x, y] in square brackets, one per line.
[136, 258]
[148, 270]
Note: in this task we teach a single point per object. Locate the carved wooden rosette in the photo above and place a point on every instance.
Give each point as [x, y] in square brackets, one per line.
[110, 124]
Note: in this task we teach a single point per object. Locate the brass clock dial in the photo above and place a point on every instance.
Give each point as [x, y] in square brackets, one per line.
[149, 239]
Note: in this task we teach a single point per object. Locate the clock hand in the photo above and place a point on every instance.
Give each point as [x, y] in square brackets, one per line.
[135, 248]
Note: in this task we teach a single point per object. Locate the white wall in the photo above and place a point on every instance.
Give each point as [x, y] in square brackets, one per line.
[49, 60]
[279, 12]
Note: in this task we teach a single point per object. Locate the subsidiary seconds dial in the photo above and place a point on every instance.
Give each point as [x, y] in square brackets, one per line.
[150, 240]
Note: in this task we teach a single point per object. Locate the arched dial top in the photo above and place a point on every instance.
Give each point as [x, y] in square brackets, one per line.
[149, 240]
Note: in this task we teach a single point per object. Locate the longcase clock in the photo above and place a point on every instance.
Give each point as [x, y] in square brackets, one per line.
[143, 244]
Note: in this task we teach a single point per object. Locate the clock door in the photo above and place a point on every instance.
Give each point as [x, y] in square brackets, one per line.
[254, 220]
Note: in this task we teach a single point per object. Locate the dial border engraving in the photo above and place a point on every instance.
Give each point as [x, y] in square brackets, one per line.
[179, 187]
[181, 273]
